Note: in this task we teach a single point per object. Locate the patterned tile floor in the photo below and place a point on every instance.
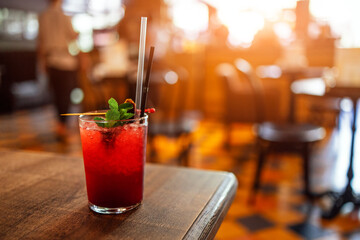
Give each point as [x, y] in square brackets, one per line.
[279, 211]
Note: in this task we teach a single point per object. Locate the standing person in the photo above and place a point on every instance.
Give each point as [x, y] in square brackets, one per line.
[55, 35]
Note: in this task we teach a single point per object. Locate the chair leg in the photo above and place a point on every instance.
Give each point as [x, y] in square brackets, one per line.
[263, 150]
[306, 159]
[186, 143]
[185, 155]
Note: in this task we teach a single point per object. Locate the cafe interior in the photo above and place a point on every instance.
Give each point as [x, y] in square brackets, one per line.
[267, 90]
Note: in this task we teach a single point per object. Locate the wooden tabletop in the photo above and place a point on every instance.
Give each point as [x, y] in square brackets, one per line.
[43, 196]
[318, 87]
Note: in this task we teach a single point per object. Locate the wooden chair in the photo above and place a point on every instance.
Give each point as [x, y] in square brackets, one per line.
[236, 93]
[278, 137]
[168, 93]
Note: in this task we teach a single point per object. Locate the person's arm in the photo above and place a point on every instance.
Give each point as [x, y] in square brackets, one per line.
[70, 30]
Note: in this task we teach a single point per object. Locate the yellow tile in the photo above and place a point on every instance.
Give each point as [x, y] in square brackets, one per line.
[265, 203]
[276, 233]
[284, 215]
[230, 230]
[239, 209]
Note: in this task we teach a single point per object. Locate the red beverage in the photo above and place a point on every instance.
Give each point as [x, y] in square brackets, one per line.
[114, 164]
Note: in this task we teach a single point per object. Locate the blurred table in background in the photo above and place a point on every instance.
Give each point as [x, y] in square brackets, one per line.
[337, 89]
[43, 196]
[293, 74]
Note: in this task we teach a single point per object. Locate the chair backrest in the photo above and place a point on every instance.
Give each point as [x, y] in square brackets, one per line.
[167, 93]
[238, 102]
[247, 72]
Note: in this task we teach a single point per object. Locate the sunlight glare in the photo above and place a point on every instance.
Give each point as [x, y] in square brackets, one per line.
[103, 6]
[190, 16]
[242, 26]
[80, 23]
[283, 30]
[342, 16]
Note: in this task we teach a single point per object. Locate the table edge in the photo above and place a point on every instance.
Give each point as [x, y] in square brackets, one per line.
[215, 210]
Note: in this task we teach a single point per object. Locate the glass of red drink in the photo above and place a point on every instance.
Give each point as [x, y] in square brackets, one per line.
[114, 160]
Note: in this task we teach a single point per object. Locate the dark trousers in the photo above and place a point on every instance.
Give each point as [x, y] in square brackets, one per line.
[62, 83]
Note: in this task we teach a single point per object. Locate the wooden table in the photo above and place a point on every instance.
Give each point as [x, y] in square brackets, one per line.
[339, 90]
[294, 74]
[43, 196]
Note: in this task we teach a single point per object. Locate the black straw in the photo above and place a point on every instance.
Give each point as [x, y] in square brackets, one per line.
[145, 89]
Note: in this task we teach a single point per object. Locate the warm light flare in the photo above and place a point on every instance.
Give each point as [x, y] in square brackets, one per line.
[342, 16]
[191, 16]
[171, 77]
[245, 18]
[283, 31]
[242, 26]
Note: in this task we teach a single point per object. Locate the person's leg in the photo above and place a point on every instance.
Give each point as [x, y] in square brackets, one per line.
[62, 83]
[68, 83]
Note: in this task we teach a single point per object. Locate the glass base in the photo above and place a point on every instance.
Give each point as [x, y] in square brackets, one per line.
[105, 210]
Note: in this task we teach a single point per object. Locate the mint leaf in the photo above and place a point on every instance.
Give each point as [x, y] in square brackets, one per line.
[127, 116]
[113, 104]
[126, 106]
[112, 115]
[116, 112]
[99, 119]
[122, 112]
[98, 123]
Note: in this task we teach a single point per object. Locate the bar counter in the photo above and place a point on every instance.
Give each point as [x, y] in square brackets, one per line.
[43, 196]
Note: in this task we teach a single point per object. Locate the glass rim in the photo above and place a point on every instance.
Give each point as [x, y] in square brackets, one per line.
[82, 118]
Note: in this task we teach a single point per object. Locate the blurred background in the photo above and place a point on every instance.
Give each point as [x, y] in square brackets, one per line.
[193, 35]
[206, 112]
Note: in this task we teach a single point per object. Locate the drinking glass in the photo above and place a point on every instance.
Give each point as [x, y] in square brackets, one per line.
[114, 159]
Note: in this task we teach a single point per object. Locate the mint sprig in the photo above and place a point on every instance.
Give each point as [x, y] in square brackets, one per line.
[116, 112]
